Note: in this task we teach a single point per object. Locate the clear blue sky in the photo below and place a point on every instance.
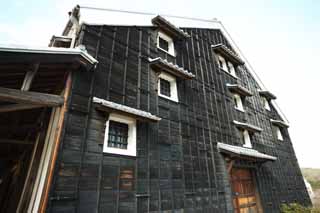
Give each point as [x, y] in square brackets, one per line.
[279, 38]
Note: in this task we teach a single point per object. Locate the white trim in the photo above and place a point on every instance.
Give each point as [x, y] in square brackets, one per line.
[231, 69]
[49, 50]
[279, 133]
[266, 104]
[173, 86]
[239, 105]
[247, 140]
[45, 161]
[170, 41]
[132, 136]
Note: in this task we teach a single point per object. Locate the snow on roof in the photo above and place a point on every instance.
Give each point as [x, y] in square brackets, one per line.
[49, 50]
[247, 126]
[163, 64]
[239, 89]
[126, 109]
[244, 151]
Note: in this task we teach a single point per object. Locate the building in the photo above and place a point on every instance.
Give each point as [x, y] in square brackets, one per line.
[152, 118]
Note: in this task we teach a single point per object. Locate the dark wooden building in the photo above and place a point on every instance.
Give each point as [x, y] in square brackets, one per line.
[170, 120]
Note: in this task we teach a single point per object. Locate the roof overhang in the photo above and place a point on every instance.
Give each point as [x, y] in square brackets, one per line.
[246, 126]
[109, 106]
[25, 54]
[242, 152]
[169, 28]
[268, 95]
[279, 123]
[163, 65]
[227, 53]
[235, 88]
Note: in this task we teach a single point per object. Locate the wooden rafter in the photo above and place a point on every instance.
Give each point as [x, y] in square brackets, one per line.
[18, 107]
[29, 77]
[26, 97]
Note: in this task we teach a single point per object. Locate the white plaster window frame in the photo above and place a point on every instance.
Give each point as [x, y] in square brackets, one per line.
[132, 136]
[266, 104]
[226, 66]
[173, 86]
[239, 104]
[279, 133]
[170, 41]
[247, 139]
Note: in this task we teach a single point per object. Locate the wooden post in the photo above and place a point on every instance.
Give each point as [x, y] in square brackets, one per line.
[45, 192]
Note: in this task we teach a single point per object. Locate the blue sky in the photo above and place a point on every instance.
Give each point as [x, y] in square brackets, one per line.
[279, 38]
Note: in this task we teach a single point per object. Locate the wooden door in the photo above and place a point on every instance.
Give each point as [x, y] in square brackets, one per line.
[245, 199]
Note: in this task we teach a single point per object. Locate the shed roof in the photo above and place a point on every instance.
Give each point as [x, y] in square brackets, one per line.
[169, 28]
[268, 95]
[242, 151]
[227, 53]
[246, 126]
[279, 123]
[112, 106]
[163, 64]
[239, 89]
[54, 54]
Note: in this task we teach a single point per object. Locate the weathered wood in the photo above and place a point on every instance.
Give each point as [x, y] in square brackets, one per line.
[26, 97]
[12, 141]
[18, 107]
[29, 77]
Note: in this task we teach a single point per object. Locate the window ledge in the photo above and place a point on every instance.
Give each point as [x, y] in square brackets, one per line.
[169, 98]
[173, 55]
[241, 110]
[225, 71]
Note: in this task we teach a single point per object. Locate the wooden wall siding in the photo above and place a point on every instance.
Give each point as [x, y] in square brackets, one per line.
[178, 166]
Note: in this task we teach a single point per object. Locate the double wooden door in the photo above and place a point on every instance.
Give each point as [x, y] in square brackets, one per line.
[245, 195]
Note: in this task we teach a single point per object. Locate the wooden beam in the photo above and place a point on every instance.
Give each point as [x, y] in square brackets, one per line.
[18, 107]
[11, 141]
[27, 97]
[29, 77]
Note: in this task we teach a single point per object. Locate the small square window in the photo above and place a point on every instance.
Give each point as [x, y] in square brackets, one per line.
[118, 135]
[222, 63]
[165, 87]
[246, 139]
[165, 43]
[266, 104]
[238, 102]
[279, 133]
[231, 69]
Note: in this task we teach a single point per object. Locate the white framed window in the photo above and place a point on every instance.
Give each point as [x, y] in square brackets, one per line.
[222, 63]
[165, 43]
[231, 69]
[246, 139]
[226, 66]
[167, 86]
[120, 135]
[279, 133]
[238, 102]
[266, 104]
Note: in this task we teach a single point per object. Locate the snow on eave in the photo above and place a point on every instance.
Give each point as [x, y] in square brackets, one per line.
[126, 109]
